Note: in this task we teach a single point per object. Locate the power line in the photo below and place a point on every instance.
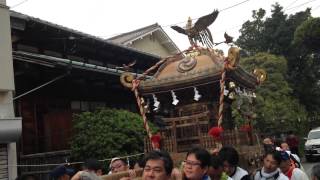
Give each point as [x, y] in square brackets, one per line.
[316, 8]
[290, 4]
[301, 5]
[18, 4]
[164, 26]
[232, 6]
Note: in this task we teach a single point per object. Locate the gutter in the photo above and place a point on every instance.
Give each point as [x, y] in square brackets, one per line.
[53, 61]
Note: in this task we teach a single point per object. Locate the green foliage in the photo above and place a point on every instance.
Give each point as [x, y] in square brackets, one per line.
[274, 34]
[305, 64]
[308, 35]
[296, 38]
[107, 133]
[277, 110]
[252, 32]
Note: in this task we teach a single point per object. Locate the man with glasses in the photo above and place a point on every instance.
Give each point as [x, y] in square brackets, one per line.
[157, 165]
[196, 164]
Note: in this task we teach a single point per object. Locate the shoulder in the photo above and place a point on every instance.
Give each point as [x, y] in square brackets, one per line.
[298, 173]
[88, 175]
[283, 177]
[257, 175]
[241, 172]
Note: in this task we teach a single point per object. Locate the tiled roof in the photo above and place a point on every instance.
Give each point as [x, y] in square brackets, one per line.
[129, 36]
[14, 14]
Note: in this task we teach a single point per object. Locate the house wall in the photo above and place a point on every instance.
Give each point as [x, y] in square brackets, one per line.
[6, 68]
[47, 112]
[7, 146]
[152, 45]
[46, 124]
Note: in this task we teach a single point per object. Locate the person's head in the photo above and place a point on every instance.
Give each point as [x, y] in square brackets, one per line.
[61, 173]
[285, 163]
[118, 165]
[268, 145]
[196, 163]
[230, 159]
[157, 165]
[267, 141]
[215, 167]
[137, 164]
[271, 161]
[315, 172]
[93, 165]
[284, 146]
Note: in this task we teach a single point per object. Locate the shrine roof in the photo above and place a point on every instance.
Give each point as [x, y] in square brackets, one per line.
[190, 71]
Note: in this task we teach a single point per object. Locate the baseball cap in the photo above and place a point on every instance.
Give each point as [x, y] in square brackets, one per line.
[284, 156]
[60, 171]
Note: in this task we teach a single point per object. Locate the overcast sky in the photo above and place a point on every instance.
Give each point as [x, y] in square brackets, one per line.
[105, 18]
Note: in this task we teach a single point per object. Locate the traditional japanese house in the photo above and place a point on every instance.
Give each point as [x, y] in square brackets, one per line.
[152, 39]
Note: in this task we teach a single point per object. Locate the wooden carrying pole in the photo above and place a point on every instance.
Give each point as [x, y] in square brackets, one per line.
[119, 175]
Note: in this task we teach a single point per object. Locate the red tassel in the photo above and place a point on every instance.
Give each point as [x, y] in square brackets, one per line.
[215, 132]
[156, 140]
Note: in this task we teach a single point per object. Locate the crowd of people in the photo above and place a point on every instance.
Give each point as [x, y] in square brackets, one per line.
[278, 163]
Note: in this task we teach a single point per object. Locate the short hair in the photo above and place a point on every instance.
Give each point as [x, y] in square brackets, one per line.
[119, 159]
[202, 155]
[216, 162]
[230, 155]
[316, 171]
[92, 164]
[159, 155]
[276, 155]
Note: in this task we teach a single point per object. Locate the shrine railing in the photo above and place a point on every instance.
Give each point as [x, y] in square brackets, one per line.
[182, 133]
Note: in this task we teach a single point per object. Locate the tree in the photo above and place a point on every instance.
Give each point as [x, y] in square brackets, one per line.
[277, 110]
[274, 34]
[252, 32]
[296, 38]
[305, 64]
[308, 35]
[107, 133]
